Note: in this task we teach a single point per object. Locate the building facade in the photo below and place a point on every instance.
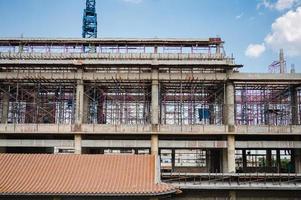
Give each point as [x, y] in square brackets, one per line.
[183, 100]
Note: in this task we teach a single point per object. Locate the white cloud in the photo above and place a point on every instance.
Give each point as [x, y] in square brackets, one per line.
[133, 1]
[239, 16]
[255, 50]
[284, 4]
[286, 33]
[279, 5]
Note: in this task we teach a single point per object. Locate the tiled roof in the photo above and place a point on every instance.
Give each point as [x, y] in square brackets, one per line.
[37, 174]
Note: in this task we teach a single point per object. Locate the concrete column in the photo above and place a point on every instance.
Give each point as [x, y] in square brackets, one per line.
[155, 98]
[269, 158]
[155, 152]
[244, 159]
[282, 61]
[232, 195]
[294, 105]
[225, 160]
[154, 144]
[77, 144]
[231, 153]
[5, 108]
[278, 160]
[155, 112]
[79, 103]
[229, 106]
[297, 158]
[173, 159]
[86, 110]
[2, 149]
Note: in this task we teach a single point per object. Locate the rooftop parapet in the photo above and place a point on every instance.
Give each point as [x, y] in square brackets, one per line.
[199, 53]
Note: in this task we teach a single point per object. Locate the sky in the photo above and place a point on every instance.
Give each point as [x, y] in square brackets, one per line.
[253, 30]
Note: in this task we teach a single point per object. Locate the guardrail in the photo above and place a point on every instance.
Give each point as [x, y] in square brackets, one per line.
[233, 180]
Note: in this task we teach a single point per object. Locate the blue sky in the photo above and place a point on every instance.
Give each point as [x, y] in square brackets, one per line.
[239, 22]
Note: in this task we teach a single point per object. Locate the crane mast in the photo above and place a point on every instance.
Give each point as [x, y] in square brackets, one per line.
[90, 20]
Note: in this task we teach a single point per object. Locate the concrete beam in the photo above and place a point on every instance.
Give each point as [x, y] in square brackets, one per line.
[146, 129]
[268, 144]
[193, 144]
[35, 143]
[220, 144]
[106, 63]
[112, 41]
[117, 143]
[264, 78]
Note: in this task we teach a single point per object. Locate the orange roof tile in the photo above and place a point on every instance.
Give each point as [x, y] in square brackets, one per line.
[37, 174]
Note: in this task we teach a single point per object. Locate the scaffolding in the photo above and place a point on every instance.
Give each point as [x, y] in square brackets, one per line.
[264, 104]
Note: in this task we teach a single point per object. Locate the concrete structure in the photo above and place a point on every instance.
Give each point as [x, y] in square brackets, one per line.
[182, 100]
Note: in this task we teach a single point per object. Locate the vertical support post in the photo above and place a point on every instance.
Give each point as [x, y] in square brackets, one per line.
[155, 97]
[2, 149]
[155, 121]
[154, 145]
[244, 159]
[225, 160]
[218, 49]
[294, 105]
[278, 159]
[79, 111]
[297, 158]
[5, 107]
[231, 153]
[229, 109]
[173, 160]
[86, 110]
[282, 61]
[77, 144]
[230, 121]
[155, 111]
[79, 114]
[269, 158]
[232, 195]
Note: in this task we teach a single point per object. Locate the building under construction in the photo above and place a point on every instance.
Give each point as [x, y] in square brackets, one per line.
[213, 132]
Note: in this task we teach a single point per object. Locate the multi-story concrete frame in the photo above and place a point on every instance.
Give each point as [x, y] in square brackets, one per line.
[182, 99]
